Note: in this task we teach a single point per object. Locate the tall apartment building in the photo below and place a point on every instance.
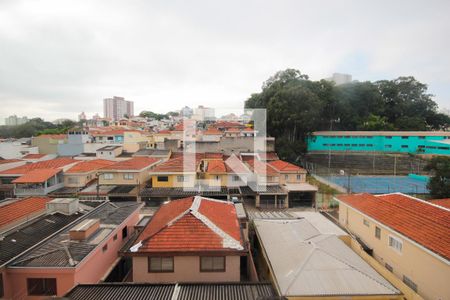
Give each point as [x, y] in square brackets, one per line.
[15, 120]
[116, 108]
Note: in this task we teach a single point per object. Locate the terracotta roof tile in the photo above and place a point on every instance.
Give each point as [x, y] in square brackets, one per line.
[175, 165]
[212, 131]
[441, 202]
[37, 176]
[89, 165]
[422, 222]
[46, 164]
[136, 163]
[18, 209]
[284, 166]
[216, 166]
[176, 227]
[260, 167]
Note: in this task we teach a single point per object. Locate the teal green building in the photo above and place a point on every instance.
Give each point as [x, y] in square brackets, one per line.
[413, 142]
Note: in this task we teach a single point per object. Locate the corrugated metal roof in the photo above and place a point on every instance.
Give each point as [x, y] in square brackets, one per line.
[197, 291]
[308, 263]
[61, 251]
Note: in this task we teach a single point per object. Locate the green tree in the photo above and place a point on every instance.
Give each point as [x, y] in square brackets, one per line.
[439, 184]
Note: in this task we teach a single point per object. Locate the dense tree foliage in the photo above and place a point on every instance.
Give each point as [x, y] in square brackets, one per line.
[439, 184]
[152, 115]
[35, 127]
[297, 106]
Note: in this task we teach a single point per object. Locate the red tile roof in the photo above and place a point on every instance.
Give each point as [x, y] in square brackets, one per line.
[183, 225]
[212, 131]
[89, 165]
[18, 209]
[284, 166]
[236, 166]
[422, 222]
[34, 156]
[216, 166]
[260, 167]
[441, 202]
[176, 165]
[46, 164]
[37, 176]
[136, 163]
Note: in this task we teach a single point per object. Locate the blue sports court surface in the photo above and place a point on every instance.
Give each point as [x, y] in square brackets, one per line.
[381, 184]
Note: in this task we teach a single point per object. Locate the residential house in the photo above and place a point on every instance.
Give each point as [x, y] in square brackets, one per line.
[194, 239]
[84, 172]
[311, 261]
[109, 152]
[410, 237]
[75, 242]
[293, 180]
[48, 143]
[127, 176]
[38, 182]
[8, 176]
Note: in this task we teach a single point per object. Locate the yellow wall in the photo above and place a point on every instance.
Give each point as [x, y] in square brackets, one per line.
[173, 181]
[430, 273]
[46, 145]
[212, 181]
[134, 141]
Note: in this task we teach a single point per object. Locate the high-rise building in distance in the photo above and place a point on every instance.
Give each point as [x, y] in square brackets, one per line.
[116, 108]
[15, 120]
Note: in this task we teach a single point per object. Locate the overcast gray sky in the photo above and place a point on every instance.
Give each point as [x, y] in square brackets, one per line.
[58, 58]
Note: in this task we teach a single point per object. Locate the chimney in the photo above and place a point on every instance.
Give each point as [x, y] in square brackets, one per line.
[84, 229]
[66, 206]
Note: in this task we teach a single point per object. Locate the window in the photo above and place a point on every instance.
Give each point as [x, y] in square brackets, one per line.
[286, 177]
[395, 243]
[108, 176]
[366, 222]
[389, 267]
[362, 145]
[421, 137]
[404, 146]
[72, 180]
[212, 264]
[128, 176]
[299, 177]
[389, 137]
[369, 145]
[387, 146]
[377, 232]
[115, 237]
[163, 178]
[41, 286]
[410, 283]
[124, 232]
[339, 145]
[181, 178]
[160, 264]
[236, 178]
[404, 137]
[105, 247]
[217, 177]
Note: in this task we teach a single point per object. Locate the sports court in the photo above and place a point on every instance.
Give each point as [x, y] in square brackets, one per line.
[381, 184]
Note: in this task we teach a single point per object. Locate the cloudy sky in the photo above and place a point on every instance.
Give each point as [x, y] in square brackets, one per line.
[58, 58]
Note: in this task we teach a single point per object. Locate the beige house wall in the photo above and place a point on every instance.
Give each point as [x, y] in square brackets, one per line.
[430, 273]
[47, 145]
[186, 269]
[292, 177]
[82, 179]
[173, 180]
[118, 178]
